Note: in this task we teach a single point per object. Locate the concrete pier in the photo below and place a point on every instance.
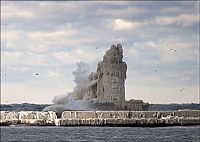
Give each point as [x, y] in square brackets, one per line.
[129, 118]
[102, 118]
[35, 118]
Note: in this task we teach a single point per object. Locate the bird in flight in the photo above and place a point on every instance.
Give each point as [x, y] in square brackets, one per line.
[182, 89]
[36, 74]
[173, 49]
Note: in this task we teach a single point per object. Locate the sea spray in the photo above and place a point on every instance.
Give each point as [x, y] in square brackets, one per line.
[74, 100]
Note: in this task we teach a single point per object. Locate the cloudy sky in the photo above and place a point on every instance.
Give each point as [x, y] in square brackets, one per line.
[41, 42]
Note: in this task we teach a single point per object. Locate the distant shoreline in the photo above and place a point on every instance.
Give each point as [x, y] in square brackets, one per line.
[152, 107]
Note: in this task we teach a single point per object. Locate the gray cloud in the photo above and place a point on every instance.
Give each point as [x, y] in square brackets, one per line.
[50, 37]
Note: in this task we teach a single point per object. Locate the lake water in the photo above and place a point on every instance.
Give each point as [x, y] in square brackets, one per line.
[116, 134]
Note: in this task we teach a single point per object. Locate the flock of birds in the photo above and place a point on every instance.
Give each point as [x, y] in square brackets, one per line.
[181, 90]
[156, 70]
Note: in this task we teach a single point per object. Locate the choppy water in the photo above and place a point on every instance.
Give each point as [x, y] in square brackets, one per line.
[121, 134]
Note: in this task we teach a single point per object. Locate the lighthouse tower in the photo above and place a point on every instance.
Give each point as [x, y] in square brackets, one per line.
[111, 75]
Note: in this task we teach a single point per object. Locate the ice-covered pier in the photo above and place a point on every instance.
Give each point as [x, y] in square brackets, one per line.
[101, 118]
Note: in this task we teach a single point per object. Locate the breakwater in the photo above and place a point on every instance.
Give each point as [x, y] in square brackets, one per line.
[102, 118]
